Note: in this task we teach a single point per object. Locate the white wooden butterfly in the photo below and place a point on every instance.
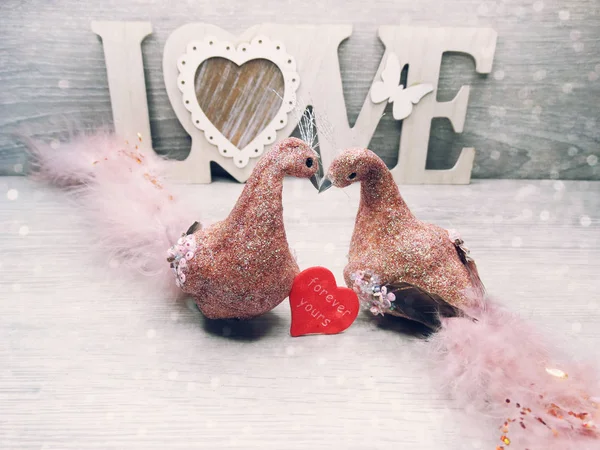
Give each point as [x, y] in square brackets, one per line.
[390, 89]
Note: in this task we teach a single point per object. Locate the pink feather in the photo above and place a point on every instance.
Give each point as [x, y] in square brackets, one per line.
[498, 366]
[133, 215]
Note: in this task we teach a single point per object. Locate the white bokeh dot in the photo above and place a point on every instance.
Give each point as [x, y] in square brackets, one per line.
[290, 350]
[520, 11]
[499, 75]
[592, 160]
[538, 6]
[151, 334]
[585, 221]
[558, 185]
[114, 263]
[495, 155]
[24, 230]
[573, 151]
[64, 84]
[578, 47]
[537, 110]
[18, 168]
[544, 215]
[564, 14]
[590, 123]
[12, 194]
[576, 327]
[516, 241]
[54, 144]
[575, 35]
[593, 76]
[539, 74]
[567, 88]
[329, 247]
[174, 316]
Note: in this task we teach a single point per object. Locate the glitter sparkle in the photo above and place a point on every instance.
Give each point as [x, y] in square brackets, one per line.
[242, 266]
[392, 243]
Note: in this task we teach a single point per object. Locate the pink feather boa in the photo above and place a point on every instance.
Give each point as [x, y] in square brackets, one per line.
[498, 366]
[133, 215]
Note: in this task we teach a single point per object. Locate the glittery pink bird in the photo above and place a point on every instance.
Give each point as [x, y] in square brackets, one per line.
[413, 260]
[240, 267]
[494, 363]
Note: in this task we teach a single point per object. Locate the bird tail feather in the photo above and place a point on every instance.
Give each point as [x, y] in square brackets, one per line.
[499, 366]
[133, 214]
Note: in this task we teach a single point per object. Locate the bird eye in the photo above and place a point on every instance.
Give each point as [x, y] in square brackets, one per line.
[309, 162]
[352, 176]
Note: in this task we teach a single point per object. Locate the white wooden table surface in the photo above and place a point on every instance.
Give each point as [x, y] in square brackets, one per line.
[90, 361]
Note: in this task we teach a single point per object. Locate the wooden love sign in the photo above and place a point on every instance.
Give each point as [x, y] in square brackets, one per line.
[319, 306]
[233, 111]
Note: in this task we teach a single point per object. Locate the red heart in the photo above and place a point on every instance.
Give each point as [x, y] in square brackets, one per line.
[319, 306]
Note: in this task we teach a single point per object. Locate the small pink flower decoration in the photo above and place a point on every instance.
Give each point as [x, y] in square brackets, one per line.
[371, 294]
[179, 255]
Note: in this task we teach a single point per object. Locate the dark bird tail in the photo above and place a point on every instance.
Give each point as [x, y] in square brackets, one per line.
[413, 303]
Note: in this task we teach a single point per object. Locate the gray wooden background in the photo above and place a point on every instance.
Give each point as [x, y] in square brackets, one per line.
[535, 116]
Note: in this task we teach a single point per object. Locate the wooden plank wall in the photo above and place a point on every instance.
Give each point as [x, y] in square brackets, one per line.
[535, 116]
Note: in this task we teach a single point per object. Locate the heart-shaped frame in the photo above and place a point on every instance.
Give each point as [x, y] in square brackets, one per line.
[259, 48]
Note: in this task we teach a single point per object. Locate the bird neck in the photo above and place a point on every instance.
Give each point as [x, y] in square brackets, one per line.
[259, 205]
[379, 194]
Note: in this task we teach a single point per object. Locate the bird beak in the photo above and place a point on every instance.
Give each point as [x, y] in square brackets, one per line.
[325, 184]
[315, 181]
[318, 176]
